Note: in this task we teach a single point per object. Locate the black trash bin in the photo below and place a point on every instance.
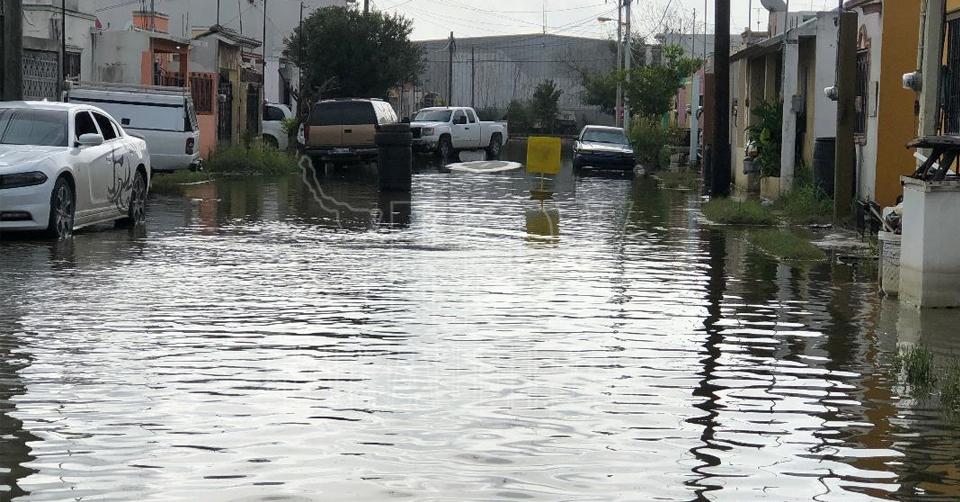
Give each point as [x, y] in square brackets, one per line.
[824, 163]
[395, 157]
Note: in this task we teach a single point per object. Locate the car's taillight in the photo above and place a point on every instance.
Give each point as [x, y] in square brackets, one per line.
[191, 143]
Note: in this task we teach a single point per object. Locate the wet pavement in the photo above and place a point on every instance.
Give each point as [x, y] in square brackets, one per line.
[295, 341]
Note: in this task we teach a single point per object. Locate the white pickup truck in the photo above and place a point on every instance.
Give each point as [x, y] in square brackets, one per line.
[446, 130]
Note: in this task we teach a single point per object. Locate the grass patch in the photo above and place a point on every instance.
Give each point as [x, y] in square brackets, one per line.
[251, 160]
[806, 204]
[950, 390]
[684, 178]
[173, 183]
[917, 364]
[786, 245]
[732, 212]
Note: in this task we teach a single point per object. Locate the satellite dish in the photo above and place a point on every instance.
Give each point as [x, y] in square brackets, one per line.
[774, 5]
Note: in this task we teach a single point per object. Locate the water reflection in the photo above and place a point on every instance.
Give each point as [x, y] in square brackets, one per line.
[324, 339]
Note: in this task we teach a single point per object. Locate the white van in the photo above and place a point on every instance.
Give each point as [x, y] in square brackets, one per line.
[163, 116]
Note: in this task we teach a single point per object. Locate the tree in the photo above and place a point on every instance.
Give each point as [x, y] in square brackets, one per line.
[651, 88]
[545, 105]
[351, 54]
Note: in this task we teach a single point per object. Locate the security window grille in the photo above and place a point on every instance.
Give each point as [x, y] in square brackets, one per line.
[72, 66]
[951, 104]
[863, 90]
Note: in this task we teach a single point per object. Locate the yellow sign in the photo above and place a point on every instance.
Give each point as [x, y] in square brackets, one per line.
[543, 155]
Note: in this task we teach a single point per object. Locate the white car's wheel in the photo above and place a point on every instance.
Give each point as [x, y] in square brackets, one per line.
[137, 209]
[62, 210]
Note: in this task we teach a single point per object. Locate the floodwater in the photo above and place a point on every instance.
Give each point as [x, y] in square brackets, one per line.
[287, 340]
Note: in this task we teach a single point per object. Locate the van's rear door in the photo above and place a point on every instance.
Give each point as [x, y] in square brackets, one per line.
[326, 125]
[359, 124]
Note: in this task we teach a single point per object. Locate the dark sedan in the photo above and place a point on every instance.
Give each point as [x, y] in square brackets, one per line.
[603, 147]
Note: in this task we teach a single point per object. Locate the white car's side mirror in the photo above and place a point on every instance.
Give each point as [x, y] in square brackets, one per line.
[90, 139]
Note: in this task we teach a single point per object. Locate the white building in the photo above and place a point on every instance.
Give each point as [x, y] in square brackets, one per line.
[42, 45]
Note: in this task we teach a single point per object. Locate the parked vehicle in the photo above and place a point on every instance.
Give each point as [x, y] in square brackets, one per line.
[344, 129]
[66, 166]
[603, 148]
[446, 130]
[163, 116]
[273, 116]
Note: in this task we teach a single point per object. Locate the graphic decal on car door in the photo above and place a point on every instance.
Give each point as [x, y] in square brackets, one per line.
[122, 181]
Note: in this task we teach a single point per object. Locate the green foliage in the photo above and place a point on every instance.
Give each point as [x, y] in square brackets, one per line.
[544, 106]
[651, 88]
[786, 245]
[518, 115]
[173, 183]
[766, 132]
[806, 204]
[917, 364]
[649, 137]
[950, 389]
[251, 160]
[600, 90]
[290, 126]
[733, 212]
[351, 54]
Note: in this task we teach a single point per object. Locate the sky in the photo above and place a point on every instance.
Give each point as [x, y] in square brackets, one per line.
[466, 18]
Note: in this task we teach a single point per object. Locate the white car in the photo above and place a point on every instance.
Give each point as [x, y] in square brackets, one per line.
[163, 116]
[65, 166]
[446, 130]
[273, 117]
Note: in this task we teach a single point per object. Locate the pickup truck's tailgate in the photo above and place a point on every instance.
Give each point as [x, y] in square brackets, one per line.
[330, 135]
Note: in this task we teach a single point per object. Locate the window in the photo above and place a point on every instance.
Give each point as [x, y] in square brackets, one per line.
[432, 116]
[71, 67]
[612, 136]
[84, 124]
[201, 89]
[20, 126]
[106, 127]
[343, 113]
[459, 117]
[273, 114]
[863, 93]
[471, 117]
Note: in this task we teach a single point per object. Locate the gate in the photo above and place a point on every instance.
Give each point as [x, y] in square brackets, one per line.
[225, 108]
[41, 75]
[253, 110]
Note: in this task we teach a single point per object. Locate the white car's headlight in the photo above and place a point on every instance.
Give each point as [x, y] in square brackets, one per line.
[427, 131]
[20, 180]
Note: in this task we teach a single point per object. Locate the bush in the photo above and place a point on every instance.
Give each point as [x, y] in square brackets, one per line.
[490, 113]
[519, 117]
[806, 204]
[786, 245]
[649, 137]
[732, 212]
[254, 159]
[767, 133]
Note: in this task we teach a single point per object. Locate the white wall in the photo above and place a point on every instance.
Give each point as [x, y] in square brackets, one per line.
[825, 110]
[41, 19]
[867, 153]
[118, 56]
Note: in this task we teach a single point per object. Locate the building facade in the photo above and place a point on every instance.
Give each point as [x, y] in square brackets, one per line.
[42, 44]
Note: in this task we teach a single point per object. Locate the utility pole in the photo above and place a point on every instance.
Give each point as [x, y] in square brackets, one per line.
[452, 47]
[693, 38]
[240, 15]
[845, 160]
[705, 30]
[11, 43]
[619, 118]
[263, 63]
[626, 66]
[366, 6]
[218, 12]
[301, 102]
[63, 43]
[473, 77]
[720, 182]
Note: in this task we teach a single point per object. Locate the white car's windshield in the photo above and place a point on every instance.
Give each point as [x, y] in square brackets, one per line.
[604, 136]
[433, 116]
[24, 126]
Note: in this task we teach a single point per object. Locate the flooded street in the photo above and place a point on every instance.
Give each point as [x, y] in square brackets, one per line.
[276, 341]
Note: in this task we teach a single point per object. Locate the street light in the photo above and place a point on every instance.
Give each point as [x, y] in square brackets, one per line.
[619, 106]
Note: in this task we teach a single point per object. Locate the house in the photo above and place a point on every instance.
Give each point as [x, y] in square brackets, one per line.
[42, 45]
[886, 49]
[143, 54]
[788, 69]
[227, 83]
